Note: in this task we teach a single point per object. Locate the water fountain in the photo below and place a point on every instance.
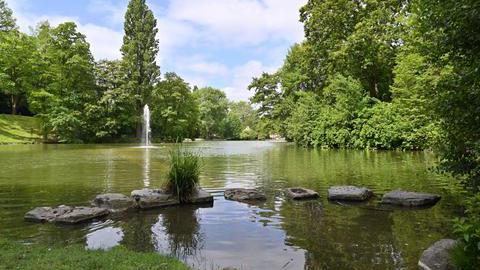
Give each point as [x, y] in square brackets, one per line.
[146, 126]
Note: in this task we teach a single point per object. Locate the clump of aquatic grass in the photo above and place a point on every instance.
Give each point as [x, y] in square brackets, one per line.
[184, 173]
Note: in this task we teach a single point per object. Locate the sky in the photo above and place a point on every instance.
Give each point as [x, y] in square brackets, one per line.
[218, 43]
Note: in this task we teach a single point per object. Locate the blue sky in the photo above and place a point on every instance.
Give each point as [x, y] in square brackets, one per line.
[219, 43]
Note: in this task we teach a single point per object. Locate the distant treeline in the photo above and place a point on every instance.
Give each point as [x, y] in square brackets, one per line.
[52, 75]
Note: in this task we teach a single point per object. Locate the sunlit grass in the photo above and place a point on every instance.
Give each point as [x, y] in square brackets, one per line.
[18, 129]
[41, 257]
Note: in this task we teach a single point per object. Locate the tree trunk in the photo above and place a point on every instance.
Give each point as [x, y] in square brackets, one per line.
[13, 103]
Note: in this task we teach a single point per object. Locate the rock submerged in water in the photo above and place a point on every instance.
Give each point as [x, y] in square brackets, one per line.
[410, 199]
[437, 256]
[115, 202]
[299, 193]
[65, 214]
[349, 193]
[150, 198]
[201, 197]
[244, 195]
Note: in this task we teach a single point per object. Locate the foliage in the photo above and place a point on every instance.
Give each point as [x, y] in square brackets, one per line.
[112, 114]
[213, 107]
[7, 21]
[17, 64]
[468, 231]
[231, 127]
[174, 109]
[184, 173]
[139, 51]
[39, 257]
[65, 84]
[452, 53]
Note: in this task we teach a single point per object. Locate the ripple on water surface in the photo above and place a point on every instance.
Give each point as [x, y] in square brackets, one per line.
[276, 234]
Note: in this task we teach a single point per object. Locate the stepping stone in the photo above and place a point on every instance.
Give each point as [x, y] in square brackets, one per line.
[411, 199]
[299, 193]
[46, 214]
[115, 202]
[65, 214]
[349, 193]
[437, 256]
[244, 194]
[200, 197]
[150, 198]
[81, 214]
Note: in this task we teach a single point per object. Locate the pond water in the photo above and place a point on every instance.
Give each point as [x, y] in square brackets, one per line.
[277, 234]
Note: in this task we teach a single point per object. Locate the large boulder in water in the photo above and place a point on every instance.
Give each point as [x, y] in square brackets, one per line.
[244, 195]
[114, 202]
[349, 193]
[411, 199]
[46, 214]
[65, 214]
[437, 256]
[150, 198]
[299, 193]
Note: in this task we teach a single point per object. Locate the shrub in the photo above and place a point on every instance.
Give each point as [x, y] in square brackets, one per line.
[468, 230]
[184, 173]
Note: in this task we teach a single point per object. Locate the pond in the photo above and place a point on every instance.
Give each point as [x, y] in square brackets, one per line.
[276, 234]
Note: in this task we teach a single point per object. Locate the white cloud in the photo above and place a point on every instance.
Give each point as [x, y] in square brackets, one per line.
[242, 77]
[110, 10]
[104, 42]
[240, 22]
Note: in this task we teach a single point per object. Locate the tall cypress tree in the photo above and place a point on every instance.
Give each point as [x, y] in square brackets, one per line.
[139, 50]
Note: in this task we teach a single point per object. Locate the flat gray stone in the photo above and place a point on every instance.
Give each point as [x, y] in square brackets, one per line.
[299, 193]
[46, 214]
[244, 194]
[200, 197]
[437, 256]
[411, 199]
[151, 198]
[81, 214]
[349, 193]
[114, 202]
[65, 214]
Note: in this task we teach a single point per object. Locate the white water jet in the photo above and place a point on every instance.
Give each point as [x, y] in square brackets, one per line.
[146, 126]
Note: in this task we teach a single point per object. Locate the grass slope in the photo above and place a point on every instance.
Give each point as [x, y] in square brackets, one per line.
[19, 129]
[38, 257]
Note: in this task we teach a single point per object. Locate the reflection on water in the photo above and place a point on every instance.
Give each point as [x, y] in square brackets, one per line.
[104, 238]
[146, 168]
[276, 234]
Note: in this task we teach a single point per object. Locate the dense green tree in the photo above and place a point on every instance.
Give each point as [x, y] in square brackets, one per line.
[17, 63]
[213, 107]
[139, 51]
[327, 24]
[245, 112]
[174, 109]
[7, 21]
[112, 114]
[447, 34]
[66, 83]
[368, 53]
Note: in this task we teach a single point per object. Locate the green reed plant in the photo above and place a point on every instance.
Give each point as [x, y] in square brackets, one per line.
[184, 173]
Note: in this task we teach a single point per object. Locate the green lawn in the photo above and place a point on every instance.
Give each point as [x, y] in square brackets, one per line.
[39, 257]
[19, 129]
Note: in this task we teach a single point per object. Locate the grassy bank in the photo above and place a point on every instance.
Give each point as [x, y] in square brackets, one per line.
[38, 257]
[19, 129]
